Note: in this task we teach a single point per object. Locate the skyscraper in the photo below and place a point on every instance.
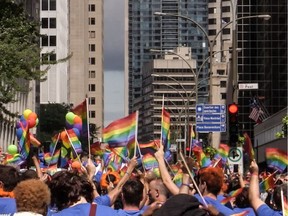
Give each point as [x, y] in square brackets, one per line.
[145, 30]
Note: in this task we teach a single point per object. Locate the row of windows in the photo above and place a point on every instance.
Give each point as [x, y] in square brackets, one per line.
[48, 40]
[48, 23]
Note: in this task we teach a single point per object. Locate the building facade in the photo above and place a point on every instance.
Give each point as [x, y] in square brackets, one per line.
[74, 28]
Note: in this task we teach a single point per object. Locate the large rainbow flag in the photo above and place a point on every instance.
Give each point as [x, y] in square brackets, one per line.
[165, 127]
[81, 111]
[276, 159]
[122, 133]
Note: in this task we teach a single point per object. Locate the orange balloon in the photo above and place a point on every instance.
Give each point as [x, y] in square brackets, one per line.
[63, 135]
[76, 165]
[32, 115]
[77, 120]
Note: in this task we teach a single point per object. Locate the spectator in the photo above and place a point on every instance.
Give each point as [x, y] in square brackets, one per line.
[9, 178]
[257, 204]
[32, 197]
[157, 191]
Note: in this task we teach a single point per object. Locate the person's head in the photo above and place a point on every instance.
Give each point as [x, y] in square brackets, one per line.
[210, 180]
[9, 177]
[242, 200]
[277, 195]
[157, 191]
[67, 188]
[32, 195]
[29, 174]
[132, 193]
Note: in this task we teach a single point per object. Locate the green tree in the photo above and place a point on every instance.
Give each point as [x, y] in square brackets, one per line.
[20, 59]
[283, 132]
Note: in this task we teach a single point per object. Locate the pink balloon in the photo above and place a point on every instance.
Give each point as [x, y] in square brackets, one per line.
[31, 123]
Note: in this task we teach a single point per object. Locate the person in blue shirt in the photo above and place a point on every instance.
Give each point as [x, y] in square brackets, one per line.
[9, 178]
[257, 204]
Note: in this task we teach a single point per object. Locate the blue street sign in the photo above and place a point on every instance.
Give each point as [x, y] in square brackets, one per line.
[210, 118]
[206, 128]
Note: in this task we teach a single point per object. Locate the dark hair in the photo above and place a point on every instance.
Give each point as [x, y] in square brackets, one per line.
[67, 188]
[213, 177]
[29, 174]
[242, 200]
[277, 195]
[9, 176]
[32, 195]
[133, 192]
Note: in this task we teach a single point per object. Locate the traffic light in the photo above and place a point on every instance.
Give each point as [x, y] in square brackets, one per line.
[233, 124]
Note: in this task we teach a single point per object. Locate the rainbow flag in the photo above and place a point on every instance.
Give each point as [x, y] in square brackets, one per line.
[192, 133]
[121, 152]
[122, 132]
[52, 159]
[248, 147]
[53, 144]
[276, 159]
[231, 195]
[24, 142]
[95, 149]
[17, 159]
[81, 111]
[201, 157]
[165, 127]
[178, 179]
[222, 153]
[76, 144]
[149, 162]
[149, 148]
[123, 170]
[267, 183]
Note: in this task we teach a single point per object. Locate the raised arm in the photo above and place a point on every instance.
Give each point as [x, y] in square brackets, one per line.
[254, 195]
[166, 178]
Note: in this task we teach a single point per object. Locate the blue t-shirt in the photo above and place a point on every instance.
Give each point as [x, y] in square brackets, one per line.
[103, 200]
[250, 211]
[264, 210]
[122, 212]
[83, 209]
[7, 205]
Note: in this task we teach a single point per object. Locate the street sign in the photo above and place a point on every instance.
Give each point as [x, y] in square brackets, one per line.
[235, 159]
[210, 118]
[247, 86]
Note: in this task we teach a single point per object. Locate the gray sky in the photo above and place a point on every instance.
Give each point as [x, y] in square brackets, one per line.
[113, 60]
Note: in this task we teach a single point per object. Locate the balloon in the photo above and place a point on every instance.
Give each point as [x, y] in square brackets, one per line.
[31, 123]
[37, 121]
[69, 126]
[77, 132]
[63, 135]
[22, 119]
[26, 113]
[76, 165]
[78, 126]
[77, 120]
[19, 132]
[12, 149]
[18, 125]
[70, 117]
[33, 116]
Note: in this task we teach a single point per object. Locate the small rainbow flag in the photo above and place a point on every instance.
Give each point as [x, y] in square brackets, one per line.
[95, 149]
[222, 152]
[149, 162]
[276, 159]
[149, 148]
[17, 159]
[122, 133]
[267, 183]
[24, 142]
[248, 147]
[76, 144]
[231, 195]
[201, 157]
[123, 170]
[53, 144]
[81, 111]
[165, 127]
[52, 159]
[178, 179]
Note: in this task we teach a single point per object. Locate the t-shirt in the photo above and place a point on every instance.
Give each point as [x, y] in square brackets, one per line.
[264, 210]
[7, 205]
[250, 211]
[122, 212]
[103, 200]
[83, 209]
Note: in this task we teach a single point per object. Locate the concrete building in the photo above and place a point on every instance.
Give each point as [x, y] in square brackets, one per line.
[74, 28]
[170, 77]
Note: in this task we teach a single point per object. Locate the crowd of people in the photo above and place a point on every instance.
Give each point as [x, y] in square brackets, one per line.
[88, 189]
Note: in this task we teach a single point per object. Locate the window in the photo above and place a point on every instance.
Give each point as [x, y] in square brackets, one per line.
[92, 47]
[226, 31]
[92, 114]
[92, 61]
[225, 9]
[212, 21]
[92, 100]
[212, 32]
[222, 84]
[91, 7]
[44, 40]
[221, 72]
[223, 96]
[53, 57]
[91, 34]
[44, 5]
[92, 87]
[92, 74]
[52, 23]
[52, 41]
[44, 23]
[52, 5]
[92, 21]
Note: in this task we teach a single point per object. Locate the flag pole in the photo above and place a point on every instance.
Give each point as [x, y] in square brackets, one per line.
[282, 202]
[72, 146]
[161, 136]
[193, 181]
[136, 133]
[54, 149]
[88, 128]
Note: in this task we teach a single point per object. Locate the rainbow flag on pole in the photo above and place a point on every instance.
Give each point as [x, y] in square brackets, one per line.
[122, 133]
[201, 157]
[149, 162]
[222, 153]
[165, 127]
[81, 111]
[276, 159]
[149, 148]
[52, 159]
[248, 147]
[267, 183]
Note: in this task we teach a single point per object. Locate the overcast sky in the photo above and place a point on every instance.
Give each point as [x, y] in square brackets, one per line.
[113, 60]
